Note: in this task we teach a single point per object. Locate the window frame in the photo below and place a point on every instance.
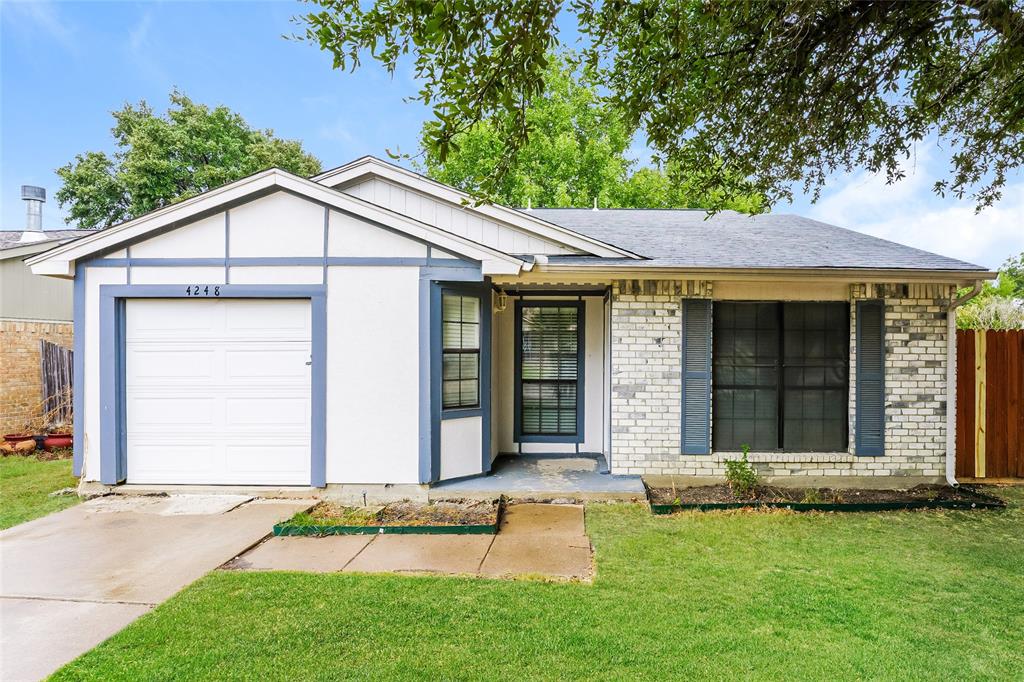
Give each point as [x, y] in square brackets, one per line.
[519, 436]
[461, 410]
[781, 385]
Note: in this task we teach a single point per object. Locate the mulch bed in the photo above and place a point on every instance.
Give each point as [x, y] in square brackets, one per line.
[664, 500]
[458, 516]
[43, 455]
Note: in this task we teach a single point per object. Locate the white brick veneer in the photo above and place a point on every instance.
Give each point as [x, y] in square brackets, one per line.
[646, 363]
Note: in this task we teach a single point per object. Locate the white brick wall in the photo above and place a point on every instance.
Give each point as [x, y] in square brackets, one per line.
[646, 363]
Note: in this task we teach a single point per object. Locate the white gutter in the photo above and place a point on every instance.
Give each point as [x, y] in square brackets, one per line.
[951, 382]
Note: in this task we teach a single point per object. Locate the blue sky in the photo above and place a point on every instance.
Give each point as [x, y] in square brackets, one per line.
[64, 66]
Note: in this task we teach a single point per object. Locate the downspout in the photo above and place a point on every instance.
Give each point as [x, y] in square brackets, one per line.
[951, 382]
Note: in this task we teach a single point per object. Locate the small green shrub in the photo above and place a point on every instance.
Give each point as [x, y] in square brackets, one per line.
[812, 496]
[741, 476]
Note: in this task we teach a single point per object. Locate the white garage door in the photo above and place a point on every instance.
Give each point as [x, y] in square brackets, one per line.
[218, 391]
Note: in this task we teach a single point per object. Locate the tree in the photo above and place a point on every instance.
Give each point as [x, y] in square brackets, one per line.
[775, 92]
[576, 154]
[999, 305]
[164, 159]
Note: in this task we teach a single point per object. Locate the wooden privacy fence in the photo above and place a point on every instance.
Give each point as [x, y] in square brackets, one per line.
[56, 363]
[989, 403]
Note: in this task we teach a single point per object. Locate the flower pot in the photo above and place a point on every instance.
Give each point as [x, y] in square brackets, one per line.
[56, 441]
[17, 437]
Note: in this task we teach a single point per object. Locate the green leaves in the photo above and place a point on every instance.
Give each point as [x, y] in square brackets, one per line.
[163, 159]
[748, 96]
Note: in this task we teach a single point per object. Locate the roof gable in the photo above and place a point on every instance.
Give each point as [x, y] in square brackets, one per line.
[60, 261]
[405, 191]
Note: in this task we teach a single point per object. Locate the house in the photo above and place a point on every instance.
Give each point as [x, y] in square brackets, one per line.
[371, 327]
[32, 309]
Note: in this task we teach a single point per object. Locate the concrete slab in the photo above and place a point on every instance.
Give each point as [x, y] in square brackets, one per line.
[543, 519]
[458, 554]
[84, 573]
[557, 556]
[80, 553]
[169, 505]
[313, 555]
[40, 635]
[544, 477]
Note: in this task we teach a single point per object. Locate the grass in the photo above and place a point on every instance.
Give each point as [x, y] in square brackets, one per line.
[724, 595]
[25, 485]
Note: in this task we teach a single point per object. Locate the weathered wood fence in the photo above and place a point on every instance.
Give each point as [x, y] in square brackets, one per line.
[989, 404]
[56, 363]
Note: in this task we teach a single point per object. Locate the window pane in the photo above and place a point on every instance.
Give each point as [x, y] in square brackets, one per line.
[451, 335]
[451, 308]
[450, 366]
[745, 365]
[450, 394]
[816, 367]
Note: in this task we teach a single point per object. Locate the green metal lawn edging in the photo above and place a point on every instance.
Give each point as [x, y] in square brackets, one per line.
[296, 529]
[985, 502]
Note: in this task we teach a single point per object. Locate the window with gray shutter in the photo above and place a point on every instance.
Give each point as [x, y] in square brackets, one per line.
[549, 369]
[696, 376]
[870, 420]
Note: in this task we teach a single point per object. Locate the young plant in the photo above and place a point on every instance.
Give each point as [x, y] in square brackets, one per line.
[741, 475]
[812, 496]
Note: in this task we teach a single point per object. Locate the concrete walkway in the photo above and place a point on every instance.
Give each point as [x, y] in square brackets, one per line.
[540, 540]
[70, 580]
[545, 477]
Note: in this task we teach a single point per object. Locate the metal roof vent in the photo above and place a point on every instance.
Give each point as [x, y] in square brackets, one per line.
[35, 198]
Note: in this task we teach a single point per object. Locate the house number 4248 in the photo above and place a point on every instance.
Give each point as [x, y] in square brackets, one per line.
[199, 290]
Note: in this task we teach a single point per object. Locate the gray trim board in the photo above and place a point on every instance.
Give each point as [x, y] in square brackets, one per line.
[113, 451]
[78, 370]
[310, 261]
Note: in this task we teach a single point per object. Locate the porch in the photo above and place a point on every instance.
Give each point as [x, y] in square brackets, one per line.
[545, 477]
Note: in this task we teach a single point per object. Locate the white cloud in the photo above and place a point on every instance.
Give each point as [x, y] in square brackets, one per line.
[40, 16]
[138, 36]
[337, 132]
[910, 213]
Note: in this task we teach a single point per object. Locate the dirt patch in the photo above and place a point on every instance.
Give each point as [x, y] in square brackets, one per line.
[721, 494]
[449, 513]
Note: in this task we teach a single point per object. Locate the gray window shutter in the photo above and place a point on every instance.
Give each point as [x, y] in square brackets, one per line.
[870, 419]
[696, 408]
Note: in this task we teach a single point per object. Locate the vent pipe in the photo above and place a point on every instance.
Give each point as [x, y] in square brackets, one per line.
[34, 197]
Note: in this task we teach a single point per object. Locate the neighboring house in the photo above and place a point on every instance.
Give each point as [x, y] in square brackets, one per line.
[371, 326]
[32, 309]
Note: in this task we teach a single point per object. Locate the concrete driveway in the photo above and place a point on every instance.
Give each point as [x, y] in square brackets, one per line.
[70, 580]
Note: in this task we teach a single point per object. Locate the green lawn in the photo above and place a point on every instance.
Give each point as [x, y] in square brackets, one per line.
[25, 485]
[905, 595]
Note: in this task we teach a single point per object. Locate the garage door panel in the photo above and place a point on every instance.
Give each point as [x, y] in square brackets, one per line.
[154, 321]
[268, 413]
[274, 362]
[218, 391]
[160, 365]
[252, 460]
[161, 412]
[161, 459]
[267, 318]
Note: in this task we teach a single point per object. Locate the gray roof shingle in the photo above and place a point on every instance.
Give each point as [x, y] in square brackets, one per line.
[10, 238]
[689, 239]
